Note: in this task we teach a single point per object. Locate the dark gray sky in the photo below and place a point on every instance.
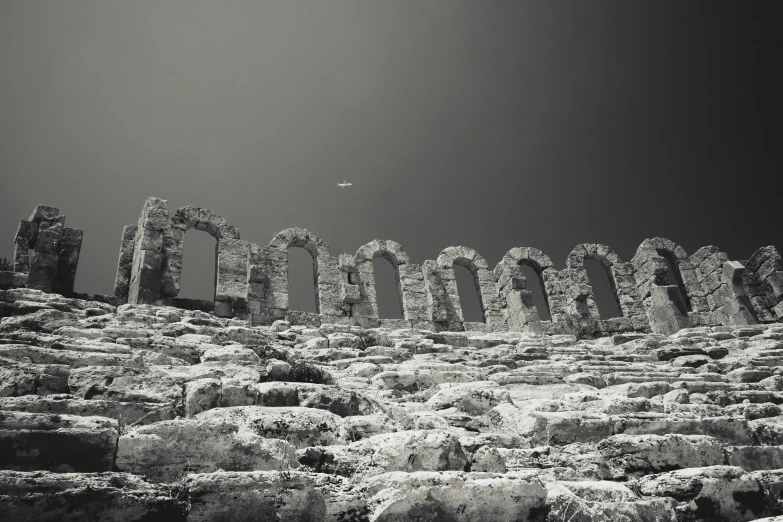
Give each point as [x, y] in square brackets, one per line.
[488, 124]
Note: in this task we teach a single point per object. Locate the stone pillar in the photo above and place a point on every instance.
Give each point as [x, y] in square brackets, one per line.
[148, 252]
[522, 314]
[268, 284]
[354, 301]
[437, 297]
[763, 282]
[125, 262]
[329, 281]
[68, 260]
[358, 272]
[44, 259]
[668, 310]
[349, 289]
[51, 267]
[631, 303]
[733, 307]
[231, 289]
[415, 306]
[23, 242]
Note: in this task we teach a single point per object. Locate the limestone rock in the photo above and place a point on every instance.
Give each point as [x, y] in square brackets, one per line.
[41, 496]
[166, 451]
[654, 453]
[299, 426]
[714, 492]
[39, 441]
[455, 495]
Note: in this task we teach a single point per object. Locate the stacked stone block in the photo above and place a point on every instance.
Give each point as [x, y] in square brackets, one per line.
[485, 287]
[621, 280]
[651, 261]
[517, 302]
[326, 272]
[733, 308]
[763, 280]
[47, 251]
[251, 281]
[150, 262]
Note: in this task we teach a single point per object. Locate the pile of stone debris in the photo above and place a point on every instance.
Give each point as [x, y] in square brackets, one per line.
[143, 412]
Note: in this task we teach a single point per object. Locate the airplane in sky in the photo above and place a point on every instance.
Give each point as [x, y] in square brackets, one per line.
[344, 184]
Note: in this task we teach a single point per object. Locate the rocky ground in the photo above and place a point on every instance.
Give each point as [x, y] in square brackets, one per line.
[157, 413]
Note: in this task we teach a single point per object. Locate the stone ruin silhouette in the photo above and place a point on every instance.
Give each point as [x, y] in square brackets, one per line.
[251, 281]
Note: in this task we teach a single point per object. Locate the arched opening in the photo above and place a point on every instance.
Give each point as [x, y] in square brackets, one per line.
[604, 289]
[301, 281]
[536, 287]
[199, 262]
[387, 289]
[469, 295]
[674, 276]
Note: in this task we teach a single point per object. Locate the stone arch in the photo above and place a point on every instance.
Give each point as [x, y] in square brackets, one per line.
[516, 300]
[669, 305]
[483, 278]
[527, 255]
[151, 257]
[508, 270]
[394, 254]
[205, 219]
[651, 261]
[763, 282]
[325, 267]
[620, 274]
[602, 253]
[189, 218]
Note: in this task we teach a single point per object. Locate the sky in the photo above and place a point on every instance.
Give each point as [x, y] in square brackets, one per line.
[486, 124]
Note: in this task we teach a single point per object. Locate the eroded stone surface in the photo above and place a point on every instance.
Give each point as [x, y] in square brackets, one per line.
[396, 424]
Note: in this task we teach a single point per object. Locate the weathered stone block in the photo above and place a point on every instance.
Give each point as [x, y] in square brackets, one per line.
[37, 441]
[41, 496]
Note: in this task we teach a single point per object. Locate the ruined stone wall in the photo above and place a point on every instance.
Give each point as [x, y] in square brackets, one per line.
[662, 289]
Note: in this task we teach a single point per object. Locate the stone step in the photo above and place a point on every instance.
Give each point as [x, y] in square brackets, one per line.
[725, 397]
[42, 496]
[402, 451]
[613, 379]
[728, 430]
[718, 492]
[644, 454]
[526, 377]
[599, 501]
[754, 458]
[66, 443]
[73, 359]
[205, 394]
[299, 426]
[454, 495]
[19, 378]
[126, 413]
[167, 451]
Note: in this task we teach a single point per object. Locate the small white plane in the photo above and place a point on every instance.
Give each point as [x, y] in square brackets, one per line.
[344, 184]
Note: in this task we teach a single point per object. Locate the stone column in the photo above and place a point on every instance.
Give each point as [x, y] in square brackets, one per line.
[125, 262]
[44, 259]
[148, 252]
[68, 260]
[231, 290]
